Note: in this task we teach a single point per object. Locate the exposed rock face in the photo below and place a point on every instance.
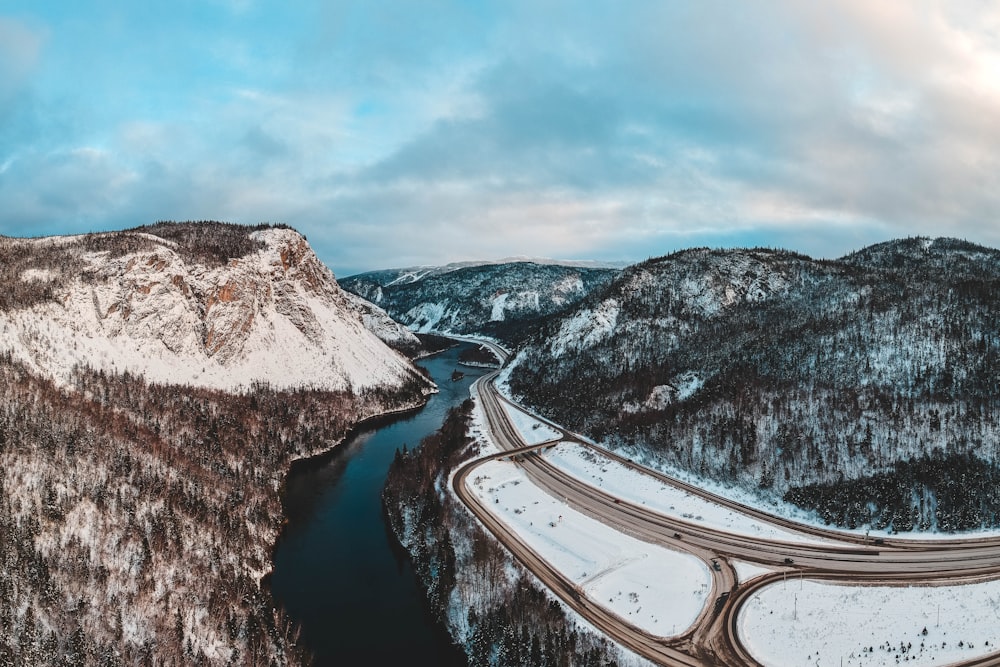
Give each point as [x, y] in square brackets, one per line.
[275, 315]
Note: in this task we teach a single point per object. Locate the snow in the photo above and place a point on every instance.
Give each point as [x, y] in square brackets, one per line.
[566, 286]
[747, 571]
[275, 316]
[38, 275]
[379, 323]
[426, 317]
[653, 588]
[811, 519]
[811, 623]
[532, 431]
[499, 301]
[407, 277]
[586, 328]
[616, 479]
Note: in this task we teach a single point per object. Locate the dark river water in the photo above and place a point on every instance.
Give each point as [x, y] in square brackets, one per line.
[335, 569]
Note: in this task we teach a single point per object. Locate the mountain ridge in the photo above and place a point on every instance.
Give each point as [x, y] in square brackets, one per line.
[769, 369]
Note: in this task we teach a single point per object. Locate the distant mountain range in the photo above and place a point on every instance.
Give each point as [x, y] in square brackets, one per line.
[499, 300]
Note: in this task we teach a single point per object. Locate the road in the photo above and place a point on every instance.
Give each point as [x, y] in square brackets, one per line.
[714, 638]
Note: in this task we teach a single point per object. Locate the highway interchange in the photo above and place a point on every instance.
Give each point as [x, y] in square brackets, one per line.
[714, 638]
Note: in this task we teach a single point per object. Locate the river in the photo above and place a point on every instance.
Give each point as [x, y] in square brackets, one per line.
[337, 570]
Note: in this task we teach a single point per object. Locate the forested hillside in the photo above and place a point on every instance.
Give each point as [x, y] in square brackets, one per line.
[136, 520]
[769, 369]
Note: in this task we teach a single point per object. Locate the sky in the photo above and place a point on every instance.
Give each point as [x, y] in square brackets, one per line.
[397, 133]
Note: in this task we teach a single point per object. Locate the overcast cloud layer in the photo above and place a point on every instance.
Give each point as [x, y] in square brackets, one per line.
[400, 133]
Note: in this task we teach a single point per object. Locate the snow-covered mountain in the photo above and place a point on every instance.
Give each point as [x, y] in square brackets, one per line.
[770, 369]
[140, 498]
[495, 299]
[165, 303]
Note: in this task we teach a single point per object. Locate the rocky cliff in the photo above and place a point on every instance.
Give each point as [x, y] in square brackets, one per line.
[154, 302]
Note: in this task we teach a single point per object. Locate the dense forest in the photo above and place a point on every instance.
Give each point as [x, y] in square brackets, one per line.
[770, 370]
[495, 610]
[934, 492]
[137, 520]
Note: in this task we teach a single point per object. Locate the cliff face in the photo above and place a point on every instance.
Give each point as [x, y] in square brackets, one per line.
[145, 304]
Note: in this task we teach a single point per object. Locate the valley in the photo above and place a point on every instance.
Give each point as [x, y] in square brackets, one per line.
[500, 334]
[687, 461]
[550, 494]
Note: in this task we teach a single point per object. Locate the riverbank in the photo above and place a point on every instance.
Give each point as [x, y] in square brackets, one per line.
[335, 570]
[489, 604]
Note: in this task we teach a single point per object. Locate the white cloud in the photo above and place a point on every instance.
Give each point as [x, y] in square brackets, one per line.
[527, 127]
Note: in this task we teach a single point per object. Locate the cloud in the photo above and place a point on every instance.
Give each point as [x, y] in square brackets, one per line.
[520, 128]
[20, 47]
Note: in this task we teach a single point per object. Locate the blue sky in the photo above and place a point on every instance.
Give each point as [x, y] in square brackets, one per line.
[401, 133]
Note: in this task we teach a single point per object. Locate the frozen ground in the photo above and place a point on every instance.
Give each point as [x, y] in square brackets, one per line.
[747, 571]
[809, 623]
[629, 485]
[658, 590]
[532, 431]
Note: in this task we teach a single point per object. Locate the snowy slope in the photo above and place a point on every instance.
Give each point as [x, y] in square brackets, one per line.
[273, 315]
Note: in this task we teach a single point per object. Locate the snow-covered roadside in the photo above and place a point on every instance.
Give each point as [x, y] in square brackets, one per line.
[811, 623]
[532, 431]
[655, 589]
[616, 479]
[747, 571]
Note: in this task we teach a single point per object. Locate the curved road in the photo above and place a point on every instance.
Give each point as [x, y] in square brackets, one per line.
[714, 637]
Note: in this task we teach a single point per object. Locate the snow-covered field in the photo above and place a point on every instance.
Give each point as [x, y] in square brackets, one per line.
[532, 431]
[810, 623]
[792, 623]
[629, 485]
[658, 590]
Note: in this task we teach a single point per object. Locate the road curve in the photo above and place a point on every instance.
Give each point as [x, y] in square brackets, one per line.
[714, 637]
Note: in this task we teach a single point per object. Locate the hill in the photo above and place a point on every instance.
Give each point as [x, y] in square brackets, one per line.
[209, 305]
[155, 385]
[769, 369]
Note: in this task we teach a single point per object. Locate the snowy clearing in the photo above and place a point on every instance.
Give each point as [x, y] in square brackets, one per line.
[811, 623]
[627, 484]
[746, 571]
[658, 590]
[532, 431]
